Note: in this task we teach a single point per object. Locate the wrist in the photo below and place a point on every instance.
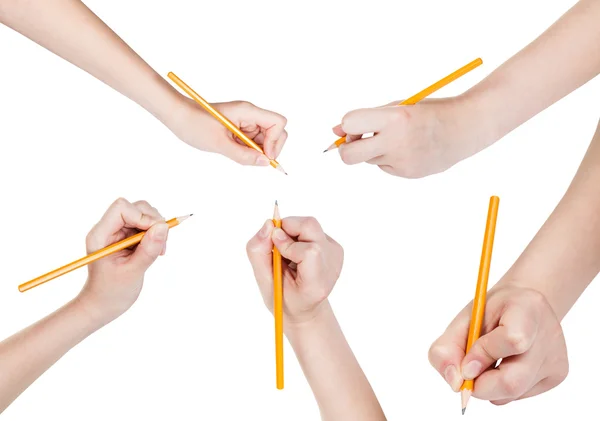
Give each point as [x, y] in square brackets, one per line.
[472, 117]
[319, 316]
[95, 310]
[88, 315]
[560, 303]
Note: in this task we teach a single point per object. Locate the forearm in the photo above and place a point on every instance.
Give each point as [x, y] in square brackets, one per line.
[70, 30]
[559, 61]
[564, 256]
[340, 387]
[28, 354]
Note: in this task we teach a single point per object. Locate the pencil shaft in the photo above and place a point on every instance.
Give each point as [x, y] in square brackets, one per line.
[478, 310]
[90, 258]
[278, 307]
[431, 89]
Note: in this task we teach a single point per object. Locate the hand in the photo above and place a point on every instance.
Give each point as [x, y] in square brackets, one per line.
[199, 129]
[412, 141]
[520, 328]
[114, 282]
[311, 264]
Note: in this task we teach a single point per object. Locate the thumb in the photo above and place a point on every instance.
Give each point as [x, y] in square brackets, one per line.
[243, 154]
[294, 251]
[150, 247]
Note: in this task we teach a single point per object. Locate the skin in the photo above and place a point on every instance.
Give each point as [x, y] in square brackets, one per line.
[525, 308]
[72, 31]
[113, 285]
[312, 262]
[430, 137]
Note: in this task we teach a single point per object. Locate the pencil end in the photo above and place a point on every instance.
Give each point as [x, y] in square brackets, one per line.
[465, 394]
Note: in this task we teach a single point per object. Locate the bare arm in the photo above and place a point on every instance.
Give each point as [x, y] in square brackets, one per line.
[430, 137]
[72, 31]
[340, 387]
[26, 355]
[559, 61]
[113, 285]
[564, 257]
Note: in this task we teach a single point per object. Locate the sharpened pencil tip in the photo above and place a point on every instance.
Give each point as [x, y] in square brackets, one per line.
[463, 411]
[325, 150]
[276, 203]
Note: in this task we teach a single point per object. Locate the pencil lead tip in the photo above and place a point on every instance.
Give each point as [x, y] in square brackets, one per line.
[191, 214]
[276, 203]
[325, 150]
[463, 411]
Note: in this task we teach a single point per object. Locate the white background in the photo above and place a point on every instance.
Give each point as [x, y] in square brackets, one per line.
[198, 344]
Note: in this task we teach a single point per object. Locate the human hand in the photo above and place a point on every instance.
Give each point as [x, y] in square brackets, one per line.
[311, 264]
[115, 281]
[197, 128]
[413, 141]
[520, 328]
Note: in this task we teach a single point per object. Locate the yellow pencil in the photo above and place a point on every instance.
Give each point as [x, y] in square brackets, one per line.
[424, 93]
[481, 291]
[92, 257]
[278, 304]
[222, 119]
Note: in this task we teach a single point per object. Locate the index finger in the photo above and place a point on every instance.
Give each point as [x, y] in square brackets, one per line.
[370, 120]
[362, 150]
[273, 126]
[259, 250]
[121, 214]
[305, 229]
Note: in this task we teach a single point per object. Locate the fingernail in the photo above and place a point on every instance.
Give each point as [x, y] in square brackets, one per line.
[262, 160]
[471, 370]
[264, 231]
[452, 377]
[164, 250]
[160, 232]
[279, 234]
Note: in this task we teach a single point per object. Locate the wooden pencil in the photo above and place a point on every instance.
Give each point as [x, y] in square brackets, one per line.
[278, 305]
[222, 119]
[424, 93]
[478, 311]
[92, 257]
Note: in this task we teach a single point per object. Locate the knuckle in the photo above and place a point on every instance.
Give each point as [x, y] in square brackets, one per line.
[314, 250]
[562, 370]
[514, 385]
[311, 223]
[535, 298]
[91, 240]
[347, 121]
[434, 352]
[120, 202]
[347, 158]
[398, 114]
[143, 203]
[437, 352]
[518, 341]
[250, 248]
[245, 104]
